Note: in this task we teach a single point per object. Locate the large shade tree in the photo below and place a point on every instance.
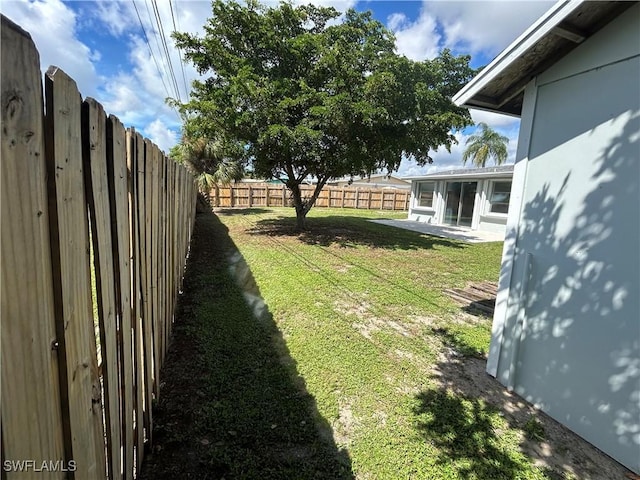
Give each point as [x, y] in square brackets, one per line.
[313, 96]
[484, 145]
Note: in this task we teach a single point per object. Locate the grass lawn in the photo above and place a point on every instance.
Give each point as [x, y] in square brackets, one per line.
[335, 354]
[361, 309]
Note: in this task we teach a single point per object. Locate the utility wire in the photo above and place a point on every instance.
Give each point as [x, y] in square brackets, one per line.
[177, 29]
[144, 33]
[160, 50]
[163, 39]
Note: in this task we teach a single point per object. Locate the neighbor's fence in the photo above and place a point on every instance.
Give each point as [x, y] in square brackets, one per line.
[271, 195]
[77, 392]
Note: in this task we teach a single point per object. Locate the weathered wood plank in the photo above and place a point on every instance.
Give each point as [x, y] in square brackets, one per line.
[117, 162]
[31, 414]
[479, 296]
[135, 147]
[71, 274]
[162, 257]
[97, 187]
[170, 254]
[144, 209]
[155, 173]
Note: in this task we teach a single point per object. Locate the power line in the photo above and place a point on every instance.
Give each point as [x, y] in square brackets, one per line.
[176, 29]
[144, 33]
[160, 51]
[163, 39]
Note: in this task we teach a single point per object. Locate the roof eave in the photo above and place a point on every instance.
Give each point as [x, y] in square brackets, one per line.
[469, 96]
[436, 176]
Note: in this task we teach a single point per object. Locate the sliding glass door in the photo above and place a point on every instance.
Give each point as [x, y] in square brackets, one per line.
[460, 199]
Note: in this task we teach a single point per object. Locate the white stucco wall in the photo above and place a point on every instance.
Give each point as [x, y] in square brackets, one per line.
[483, 219]
[567, 329]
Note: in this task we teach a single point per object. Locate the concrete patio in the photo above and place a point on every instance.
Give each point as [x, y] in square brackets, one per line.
[445, 231]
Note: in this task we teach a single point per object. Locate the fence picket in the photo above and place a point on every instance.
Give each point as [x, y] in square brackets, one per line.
[97, 188]
[133, 147]
[144, 211]
[74, 182]
[117, 163]
[32, 425]
[71, 273]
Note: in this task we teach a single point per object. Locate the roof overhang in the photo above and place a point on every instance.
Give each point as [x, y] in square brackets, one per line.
[499, 87]
[466, 174]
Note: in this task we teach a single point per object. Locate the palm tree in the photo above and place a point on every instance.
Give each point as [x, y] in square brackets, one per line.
[212, 161]
[488, 143]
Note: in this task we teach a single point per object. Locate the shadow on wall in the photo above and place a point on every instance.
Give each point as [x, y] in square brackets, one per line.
[572, 344]
[233, 404]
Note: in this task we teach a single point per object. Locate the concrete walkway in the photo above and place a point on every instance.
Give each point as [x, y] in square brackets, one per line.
[446, 231]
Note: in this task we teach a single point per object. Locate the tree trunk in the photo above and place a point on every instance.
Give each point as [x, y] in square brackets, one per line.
[300, 220]
[298, 204]
[303, 206]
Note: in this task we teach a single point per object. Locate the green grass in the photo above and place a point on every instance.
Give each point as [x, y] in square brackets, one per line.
[344, 356]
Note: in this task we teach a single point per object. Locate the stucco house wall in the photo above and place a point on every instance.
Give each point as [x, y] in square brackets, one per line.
[566, 329]
[478, 212]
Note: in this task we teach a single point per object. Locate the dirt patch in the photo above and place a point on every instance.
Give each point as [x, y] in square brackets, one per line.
[559, 452]
[345, 425]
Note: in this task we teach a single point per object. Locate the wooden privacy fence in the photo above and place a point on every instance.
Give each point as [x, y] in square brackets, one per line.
[273, 195]
[81, 193]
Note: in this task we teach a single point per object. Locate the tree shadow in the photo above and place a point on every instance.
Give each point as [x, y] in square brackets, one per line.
[232, 404]
[350, 232]
[481, 430]
[571, 339]
[240, 210]
[463, 430]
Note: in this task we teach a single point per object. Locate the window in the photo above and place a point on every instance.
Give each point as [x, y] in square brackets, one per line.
[499, 199]
[425, 194]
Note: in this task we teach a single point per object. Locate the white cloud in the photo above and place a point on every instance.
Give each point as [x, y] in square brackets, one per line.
[494, 120]
[53, 27]
[340, 5]
[396, 21]
[444, 160]
[465, 26]
[162, 135]
[484, 26]
[417, 40]
[118, 17]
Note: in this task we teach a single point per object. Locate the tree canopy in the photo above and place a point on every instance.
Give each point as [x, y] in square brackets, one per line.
[487, 144]
[312, 95]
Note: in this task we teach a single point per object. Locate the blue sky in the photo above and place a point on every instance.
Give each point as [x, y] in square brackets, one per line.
[102, 45]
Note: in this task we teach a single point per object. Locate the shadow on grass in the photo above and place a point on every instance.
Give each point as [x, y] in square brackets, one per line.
[350, 231]
[481, 430]
[232, 404]
[456, 339]
[463, 430]
[240, 210]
